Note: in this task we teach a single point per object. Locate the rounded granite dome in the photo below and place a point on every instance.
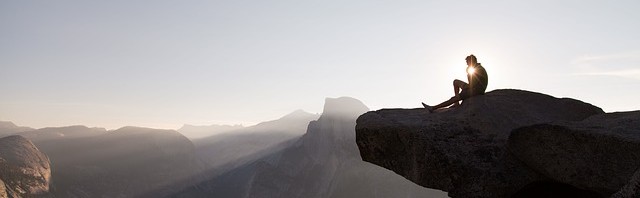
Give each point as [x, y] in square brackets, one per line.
[344, 106]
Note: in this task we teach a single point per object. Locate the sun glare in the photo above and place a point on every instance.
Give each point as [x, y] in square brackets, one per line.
[493, 60]
[471, 70]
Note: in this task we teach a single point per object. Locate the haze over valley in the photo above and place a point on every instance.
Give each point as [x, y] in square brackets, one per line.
[281, 98]
[298, 155]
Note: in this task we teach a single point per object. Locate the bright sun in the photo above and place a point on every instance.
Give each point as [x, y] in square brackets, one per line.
[471, 70]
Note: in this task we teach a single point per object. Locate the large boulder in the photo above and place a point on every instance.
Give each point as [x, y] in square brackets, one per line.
[3, 190]
[24, 170]
[600, 153]
[463, 150]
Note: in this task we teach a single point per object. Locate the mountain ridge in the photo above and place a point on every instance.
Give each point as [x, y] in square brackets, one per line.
[324, 162]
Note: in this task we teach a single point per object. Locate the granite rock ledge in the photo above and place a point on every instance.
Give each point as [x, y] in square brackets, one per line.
[508, 143]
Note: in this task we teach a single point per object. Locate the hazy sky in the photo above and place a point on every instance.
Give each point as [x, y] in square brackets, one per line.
[166, 63]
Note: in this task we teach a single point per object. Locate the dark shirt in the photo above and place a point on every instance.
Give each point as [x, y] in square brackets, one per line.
[478, 80]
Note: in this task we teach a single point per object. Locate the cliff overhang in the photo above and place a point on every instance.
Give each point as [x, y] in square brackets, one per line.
[507, 143]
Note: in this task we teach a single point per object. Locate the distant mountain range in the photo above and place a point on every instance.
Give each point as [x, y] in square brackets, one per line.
[8, 128]
[130, 161]
[195, 132]
[289, 123]
[324, 162]
[225, 151]
[298, 155]
[143, 162]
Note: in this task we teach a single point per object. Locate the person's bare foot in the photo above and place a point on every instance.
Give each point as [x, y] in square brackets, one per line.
[427, 107]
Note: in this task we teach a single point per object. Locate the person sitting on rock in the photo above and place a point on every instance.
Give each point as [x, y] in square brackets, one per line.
[478, 80]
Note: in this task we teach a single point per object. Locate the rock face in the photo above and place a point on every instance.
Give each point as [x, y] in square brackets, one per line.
[24, 170]
[600, 153]
[632, 189]
[464, 150]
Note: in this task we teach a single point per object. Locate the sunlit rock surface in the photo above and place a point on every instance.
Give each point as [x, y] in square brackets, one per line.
[464, 150]
[24, 170]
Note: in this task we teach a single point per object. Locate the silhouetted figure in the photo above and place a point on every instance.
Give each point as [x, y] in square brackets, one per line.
[478, 80]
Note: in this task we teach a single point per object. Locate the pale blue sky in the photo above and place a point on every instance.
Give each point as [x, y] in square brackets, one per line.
[165, 63]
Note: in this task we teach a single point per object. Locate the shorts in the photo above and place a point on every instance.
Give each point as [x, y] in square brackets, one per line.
[467, 92]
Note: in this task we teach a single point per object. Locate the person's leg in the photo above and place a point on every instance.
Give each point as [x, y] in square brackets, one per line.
[458, 85]
[452, 100]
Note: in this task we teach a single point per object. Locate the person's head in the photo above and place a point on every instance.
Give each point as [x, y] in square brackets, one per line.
[471, 60]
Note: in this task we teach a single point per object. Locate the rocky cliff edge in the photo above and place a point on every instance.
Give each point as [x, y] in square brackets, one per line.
[508, 143]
